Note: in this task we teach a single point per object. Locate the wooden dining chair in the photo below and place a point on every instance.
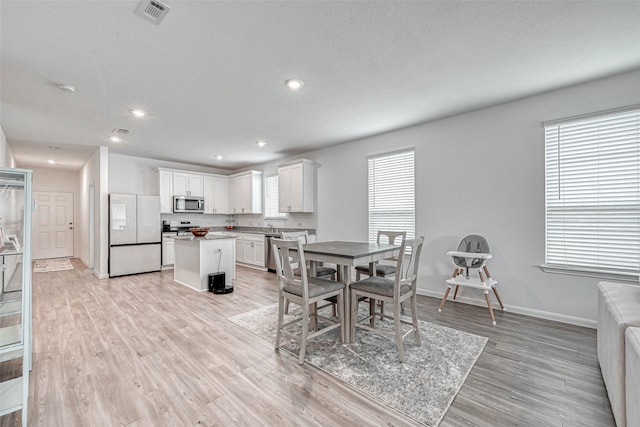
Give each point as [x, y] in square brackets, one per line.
[321, 271]
[304, 291]
[383, 270]
[401, 288]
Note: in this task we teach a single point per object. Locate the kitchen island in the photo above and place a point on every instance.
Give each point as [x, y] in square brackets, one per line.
[197, 257]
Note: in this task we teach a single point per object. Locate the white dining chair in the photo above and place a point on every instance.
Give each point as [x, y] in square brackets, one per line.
[401, 288]
[304, 291]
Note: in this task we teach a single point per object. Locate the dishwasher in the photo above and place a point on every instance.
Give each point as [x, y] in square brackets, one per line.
[271, 264]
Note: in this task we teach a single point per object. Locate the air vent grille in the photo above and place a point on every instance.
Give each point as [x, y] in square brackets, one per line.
[153, 10]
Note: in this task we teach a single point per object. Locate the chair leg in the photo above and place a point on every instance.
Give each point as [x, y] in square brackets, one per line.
[281, 303]
[313, 314]
[333, 309]
[286, 307]
[341, 317]
[495, 291]
[455, 293]
[396, 323]
[357, 275]
[372, 312]
[414, 318]
[444, 298]
[305, 333]
[486, 296]
[381, 310]
[354, 315]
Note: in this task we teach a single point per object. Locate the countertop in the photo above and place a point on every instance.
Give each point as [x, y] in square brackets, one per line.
[207, 237]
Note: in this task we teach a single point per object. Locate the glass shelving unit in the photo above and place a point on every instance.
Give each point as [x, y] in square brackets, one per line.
[15, 290]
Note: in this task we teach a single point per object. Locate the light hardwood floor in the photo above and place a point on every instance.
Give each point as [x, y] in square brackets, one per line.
[144, 351]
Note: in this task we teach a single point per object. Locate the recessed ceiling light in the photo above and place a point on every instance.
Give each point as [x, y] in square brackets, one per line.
[114, 138]
[261, 143]
[138, 113]
[218, 157]
[67, 88]
[51, 161]
[294, 84]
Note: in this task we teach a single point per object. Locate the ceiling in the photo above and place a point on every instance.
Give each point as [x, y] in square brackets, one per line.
[211, 74]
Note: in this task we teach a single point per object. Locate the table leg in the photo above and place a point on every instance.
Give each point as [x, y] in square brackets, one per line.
[343, 276]
[313, 266]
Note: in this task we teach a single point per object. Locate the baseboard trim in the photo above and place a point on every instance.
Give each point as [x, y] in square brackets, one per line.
[547, 315]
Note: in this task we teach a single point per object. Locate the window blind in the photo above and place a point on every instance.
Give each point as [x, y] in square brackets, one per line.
[392, 193]
[271, 198]
[593, 192]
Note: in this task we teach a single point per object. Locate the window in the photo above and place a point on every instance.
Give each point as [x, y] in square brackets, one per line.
[592, 168]
[271, 199]
[392, 193]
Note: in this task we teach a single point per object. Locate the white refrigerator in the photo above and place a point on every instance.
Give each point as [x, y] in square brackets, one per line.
[135, 234]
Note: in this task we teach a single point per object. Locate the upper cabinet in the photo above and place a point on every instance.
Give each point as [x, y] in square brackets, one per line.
[296, 186]
[239, 193]
[245, 193]
[166, 191]
[216, 194]
[186, 184]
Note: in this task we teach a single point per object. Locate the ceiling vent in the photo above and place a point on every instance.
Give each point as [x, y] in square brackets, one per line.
[153, 10]
[120, 131]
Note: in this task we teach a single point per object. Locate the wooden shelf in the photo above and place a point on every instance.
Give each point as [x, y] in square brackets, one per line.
[10, 338]
[14, 353]
[10, 396]
[8, 308]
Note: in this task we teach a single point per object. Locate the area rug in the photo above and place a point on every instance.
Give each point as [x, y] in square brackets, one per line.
[57, 264]
[422, 388]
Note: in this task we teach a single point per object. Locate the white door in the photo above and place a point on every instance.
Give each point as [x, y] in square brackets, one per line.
[53, 225]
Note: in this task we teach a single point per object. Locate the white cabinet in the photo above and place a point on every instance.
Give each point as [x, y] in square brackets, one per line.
[166, 191]
[296, 186]
[245, 192]
[186, 184]
[250, 249]
[216, 194]
[168, 250]
[15, 292]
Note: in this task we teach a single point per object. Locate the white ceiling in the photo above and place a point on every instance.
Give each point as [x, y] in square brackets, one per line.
[212, 74]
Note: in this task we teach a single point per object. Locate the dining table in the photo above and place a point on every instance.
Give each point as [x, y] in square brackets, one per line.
[346, 255]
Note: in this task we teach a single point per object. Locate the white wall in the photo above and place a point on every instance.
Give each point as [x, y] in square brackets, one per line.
[137, 175]
[94, 173]
[57, 180]
[480, 172]
[6, 156]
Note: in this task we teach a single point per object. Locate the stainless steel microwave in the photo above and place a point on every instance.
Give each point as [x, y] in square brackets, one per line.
[188, 204]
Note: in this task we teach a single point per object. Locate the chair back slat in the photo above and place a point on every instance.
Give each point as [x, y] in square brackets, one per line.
[286, 254]
[408, 263]
[392, 238]
[293, 235]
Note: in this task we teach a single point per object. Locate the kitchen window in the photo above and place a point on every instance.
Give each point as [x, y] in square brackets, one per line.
[592, 188]
[392, 193]
[271, 199]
